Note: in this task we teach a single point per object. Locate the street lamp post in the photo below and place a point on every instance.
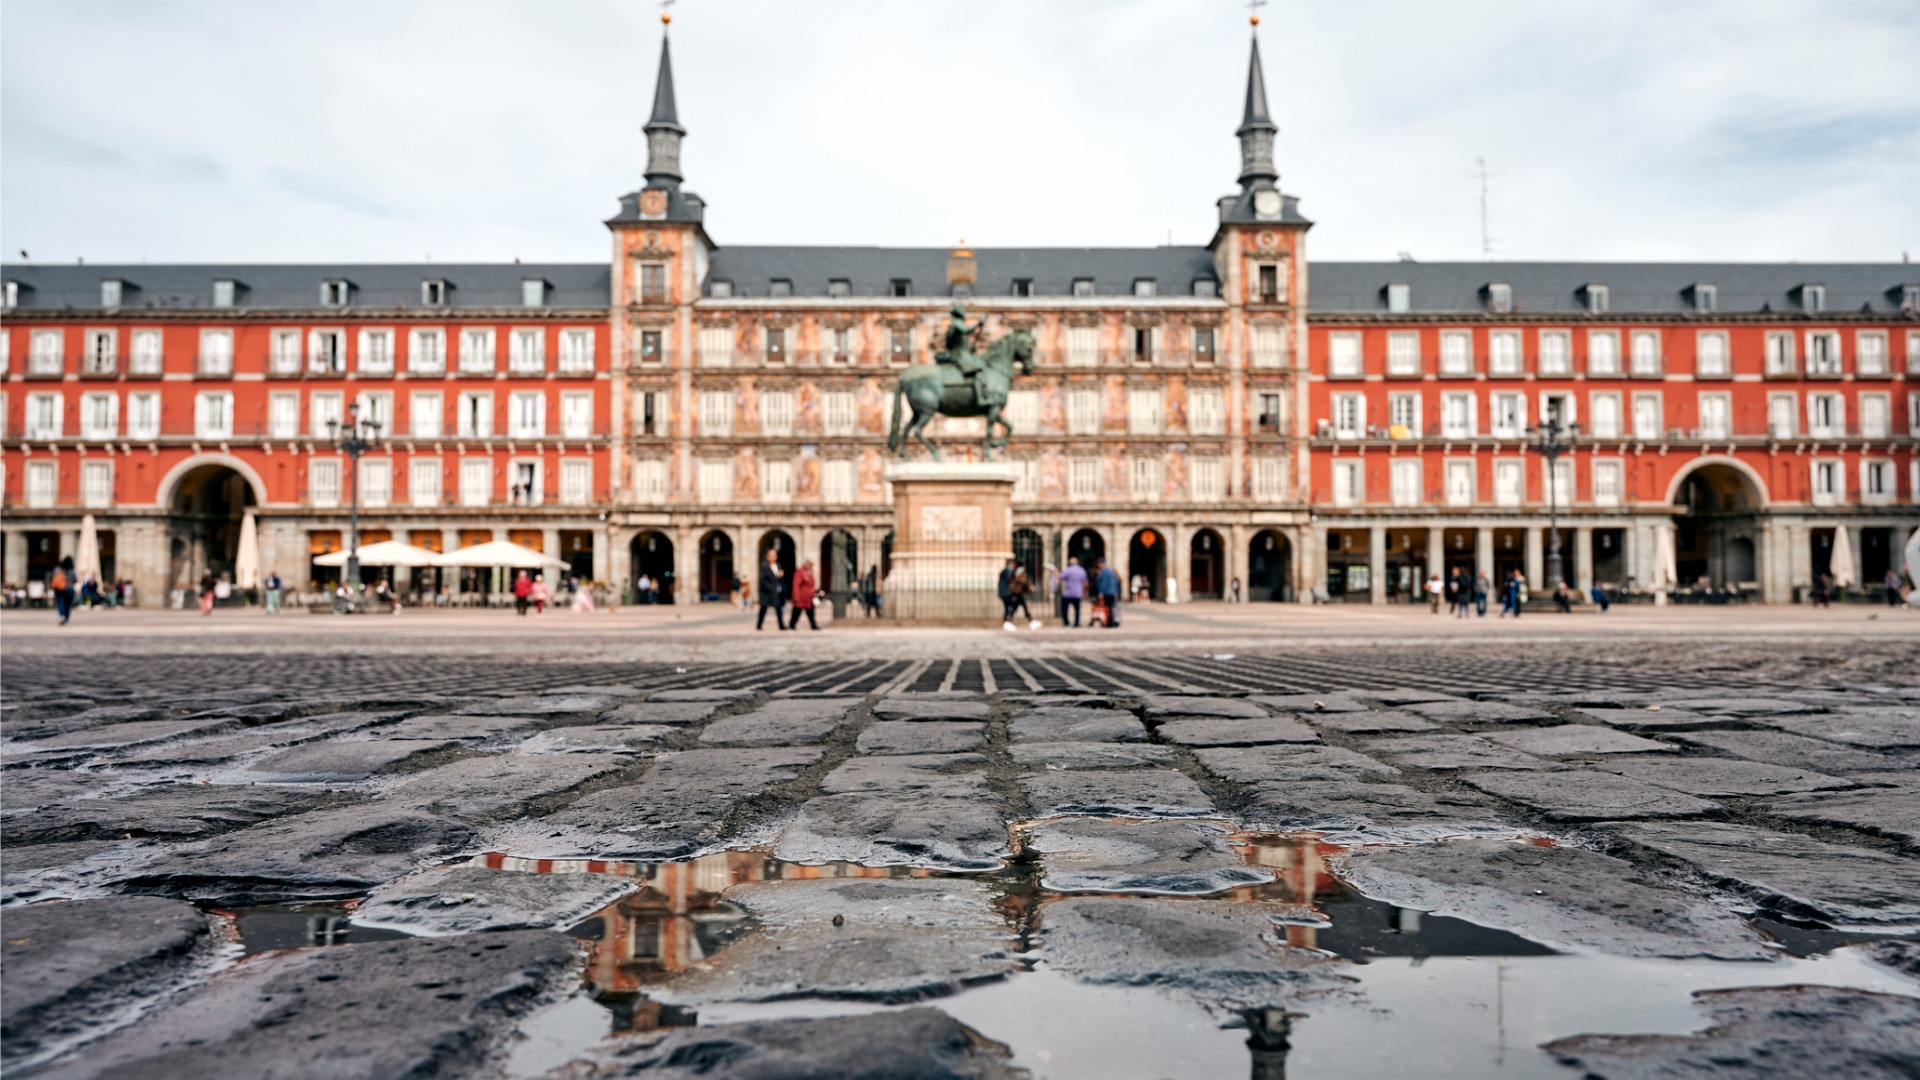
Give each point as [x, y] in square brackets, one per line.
[1551, 441]
[353, 440]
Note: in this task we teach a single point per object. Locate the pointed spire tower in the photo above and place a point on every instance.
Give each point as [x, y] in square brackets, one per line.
[663, 127]
[1256, 129]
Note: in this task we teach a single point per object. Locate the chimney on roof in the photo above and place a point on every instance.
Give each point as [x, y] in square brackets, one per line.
[663, 126]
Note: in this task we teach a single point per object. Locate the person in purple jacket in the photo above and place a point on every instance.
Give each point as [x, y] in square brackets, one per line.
[1073, 589]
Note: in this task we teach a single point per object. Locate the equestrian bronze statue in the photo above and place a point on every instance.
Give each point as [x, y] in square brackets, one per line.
[961, 382]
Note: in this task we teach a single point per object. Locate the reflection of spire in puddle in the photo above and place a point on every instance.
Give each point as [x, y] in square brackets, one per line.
[1268, 1031]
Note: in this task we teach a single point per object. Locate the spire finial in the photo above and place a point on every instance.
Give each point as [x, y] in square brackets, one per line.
[663, 125]
[1253, 11]
[1256, 124]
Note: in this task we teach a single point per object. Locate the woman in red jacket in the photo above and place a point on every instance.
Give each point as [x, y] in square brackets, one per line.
[804, 585]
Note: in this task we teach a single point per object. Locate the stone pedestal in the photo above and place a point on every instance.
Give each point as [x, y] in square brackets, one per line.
[952, 535]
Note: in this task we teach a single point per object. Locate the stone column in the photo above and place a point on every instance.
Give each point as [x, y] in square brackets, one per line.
[1855, 537]
[1436, 556]
[1483, 552]
[1310, 560]
[1179, 558]
[1536, 558]
[686, 566]
[16, 557]
[1377, 564]
[1583, 560]
[69, 542]
[1236, 561]
[1629, 551]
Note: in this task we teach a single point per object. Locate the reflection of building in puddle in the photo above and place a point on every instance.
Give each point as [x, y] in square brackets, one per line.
[1301, 877]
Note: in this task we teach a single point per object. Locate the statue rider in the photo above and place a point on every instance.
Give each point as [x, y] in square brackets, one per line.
[959, 353]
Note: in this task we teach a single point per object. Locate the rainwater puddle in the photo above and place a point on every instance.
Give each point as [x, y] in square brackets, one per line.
[301, 926]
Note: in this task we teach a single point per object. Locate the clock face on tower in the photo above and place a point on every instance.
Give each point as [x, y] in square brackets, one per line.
[653, 203]
[1266, 203]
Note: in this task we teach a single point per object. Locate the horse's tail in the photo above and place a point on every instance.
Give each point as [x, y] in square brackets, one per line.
[893, 434]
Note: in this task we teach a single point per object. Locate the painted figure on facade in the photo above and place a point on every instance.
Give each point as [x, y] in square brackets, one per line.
[961, 382]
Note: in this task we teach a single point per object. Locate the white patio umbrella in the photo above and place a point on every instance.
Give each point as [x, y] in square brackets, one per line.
[1910, 557]
[86, 557]
[383, 553]
[246, 562]
[1665, 574]
[497, 553]
[1842, 568]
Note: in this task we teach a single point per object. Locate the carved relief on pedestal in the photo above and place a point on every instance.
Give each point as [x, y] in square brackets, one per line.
[951, 523]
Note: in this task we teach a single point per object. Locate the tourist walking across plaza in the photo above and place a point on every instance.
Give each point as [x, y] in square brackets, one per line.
[272, 589]
[62, 587]
[805, 588]
[1435, 589]
[1511, 595]
[1106, 584]
[1073, 591]
[208, 586]
[771, 587]
[1482, 588]
[537, 594]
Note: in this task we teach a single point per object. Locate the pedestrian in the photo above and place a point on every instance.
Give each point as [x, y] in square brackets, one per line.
[1893, 588]
[771, 585]
[1510, 596]
[1050, 586]
[1018, 590]
[1563, 596]
[522, 591]
[62, 587]
[805, 587]
[642, 589]
[272, 587]
[1106, 584]
[1823, 591]
[1435, 588]
[870, 592]
[537, 595]
[1455, 586]
[208, 584]
[1073, 590]
[1600, 597]
[1482, 588]
[1233, 591]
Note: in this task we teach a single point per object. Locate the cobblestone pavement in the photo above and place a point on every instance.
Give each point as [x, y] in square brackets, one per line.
[1156, 864]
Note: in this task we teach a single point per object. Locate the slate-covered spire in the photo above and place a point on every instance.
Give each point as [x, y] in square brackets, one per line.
[1256, 130]
[663, 127]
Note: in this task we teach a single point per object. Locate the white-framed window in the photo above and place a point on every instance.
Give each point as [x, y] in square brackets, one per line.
[576, 349]
[576, 414]
[1406, 483]
[1403, 414]
[1876, 482]
[1083, 346]
[1648, 418]
[1607, 486]
[1509, 419]
[1556, 484]
[323, 481]
[99, 416]
[1349, 416]
[527, 351]
[1146, 479]
[1603, 352]
[476, 481]
[776, 480]
[1343, 356]
[376, 481]
[838, 481]
[146, 355]
[223, 292]
[46, 353]
[1913, 352]
[1456, 352]
[1556, 407]
[1781, 358]
[283, 415]
[1083, 410]
[1712, 357]
[1556, 352]
[775, 344]
[216, 352]
[1876, 416]
[1349, 483]
[1269, 345]
[213, 414]
[96, 484]
[839, 342]
[1716, 416]
[1870, 352]
[653, 282]
[1272, 415]
[1603, 415]
[1913, 413]
[1503, 353]
[1460, 485]
[1269, 478]
[576, 481]
[776, 412]
[1783, 415]
[1143, 411]
[1203, 338]
[1645, 349]
[43, 484]
[1403, 353]
[526, 482]
[1026, 479]
[1509, 481]
[1399, 298]
[533, 293]
[326, 410]
[716, 346]
[376, 351]
[1826, 416]
[102, 356]
[46, 415]
[1207, 410]
[423, 481]
[526, 414]
[426, 414]
[143, 415]
[1023, 411]
[1207, 479]
[1829, 481]
[477, 354]
[375, 407]
[1083, 479]
[1457, 419]
[839, 412]
[475, 418]
[335, 293]
[326, 352]
[900, 345]
[716, 413]
[650, 481]
[716, 480]
[427, 350]
[1823, 352]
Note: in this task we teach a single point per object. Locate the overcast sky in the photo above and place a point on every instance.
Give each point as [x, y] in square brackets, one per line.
[484, 130]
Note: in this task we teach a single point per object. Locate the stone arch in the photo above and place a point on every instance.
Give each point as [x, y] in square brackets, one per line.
[1711, 464]
[170, 483]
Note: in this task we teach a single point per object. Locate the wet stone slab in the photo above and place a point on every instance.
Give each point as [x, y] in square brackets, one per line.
[946, 774]
[1660, 719]
[781, 724]
[123, 736]
[1792, 751]
[1481, 712]
[1723, 776]
[921, 737]
[172, 811]
[922, 1043]
[1896, 728]
[1894, 814]
[1041, 756]
[466, 899]
[476, 728]
[930, 708]
[1576, 739]
[1794, 875]
[1367, 813]
[1218, 951]
[1062, 724]
[1168, 706]
[1116, 792]
[1312, 703]
[1735, 705]
[1370, 721]
[418, 1007]
[501, 786]
[1449, 752]
[1567, 897]
[932, 828]
[343, 762]
[661, 712]
[1582, 795]
[1237, 732]
[557, 707]
[1292, 763]
[597, 739]
[1187, 858]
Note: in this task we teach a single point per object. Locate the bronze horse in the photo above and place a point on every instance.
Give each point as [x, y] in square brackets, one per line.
[941, 390]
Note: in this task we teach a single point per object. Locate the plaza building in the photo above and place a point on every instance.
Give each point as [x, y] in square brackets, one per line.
[1199, 415]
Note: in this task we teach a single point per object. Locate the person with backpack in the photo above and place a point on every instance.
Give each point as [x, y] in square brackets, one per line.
[273, 593]
[1106, 584]
[62, 588]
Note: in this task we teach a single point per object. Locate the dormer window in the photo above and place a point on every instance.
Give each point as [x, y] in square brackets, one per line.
[1399, 298]
[533, 292]
[780, 287]
[433, 292]
[902, 287]
[1083, 287]
[1023, 287]
[1597, 300]
[839, 288]
[1706, 299]
[223, 293]
[110, 292]
[333, 293]
[1500, 298]
[1909, 297]
[1813, 298]
[1206, 287]
[1145, 286]
[12, 295]
[720, 290]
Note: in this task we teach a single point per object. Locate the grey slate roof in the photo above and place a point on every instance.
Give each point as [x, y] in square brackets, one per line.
[376, 286]
[870, 271]
[1646, 288]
